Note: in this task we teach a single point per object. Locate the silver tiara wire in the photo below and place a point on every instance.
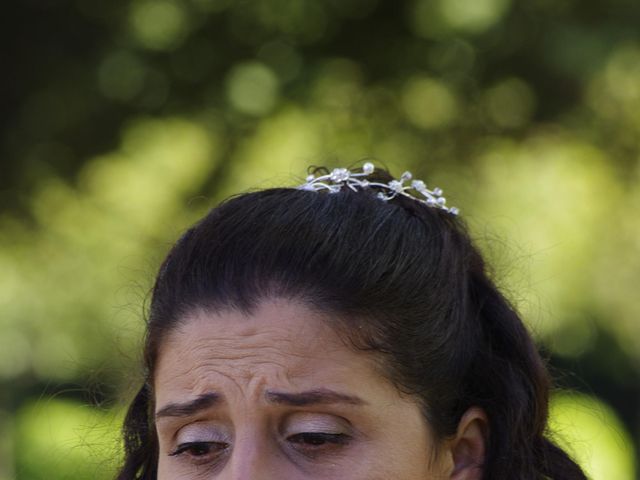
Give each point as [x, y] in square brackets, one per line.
[340, 177]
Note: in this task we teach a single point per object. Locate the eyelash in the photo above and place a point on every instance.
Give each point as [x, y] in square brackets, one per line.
[201, 452]
[316, 444]
[308, 443]
[318, 439]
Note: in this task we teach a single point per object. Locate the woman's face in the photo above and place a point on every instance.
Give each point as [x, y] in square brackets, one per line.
[278, 395]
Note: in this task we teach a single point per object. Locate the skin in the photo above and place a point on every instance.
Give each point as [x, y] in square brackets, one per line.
[278, 395]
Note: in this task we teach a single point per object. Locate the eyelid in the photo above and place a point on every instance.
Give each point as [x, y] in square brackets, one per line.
[315, 423]
[202, 432]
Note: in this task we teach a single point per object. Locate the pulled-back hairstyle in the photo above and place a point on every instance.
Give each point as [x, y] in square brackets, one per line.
[405, 282]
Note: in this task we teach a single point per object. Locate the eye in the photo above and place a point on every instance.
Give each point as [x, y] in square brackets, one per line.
[200, 452]
[314, 443]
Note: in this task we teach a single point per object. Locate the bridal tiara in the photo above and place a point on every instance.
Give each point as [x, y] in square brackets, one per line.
[340, 177]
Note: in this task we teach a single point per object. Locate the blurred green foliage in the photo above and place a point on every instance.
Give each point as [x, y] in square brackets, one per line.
[58, 439]
[123, 121]
[593, 434]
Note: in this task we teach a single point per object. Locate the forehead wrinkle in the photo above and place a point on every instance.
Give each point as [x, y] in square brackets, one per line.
[252, 344]
[218, 352]
[200, 365]
[288, 348]
[230, 353]
[252, 336]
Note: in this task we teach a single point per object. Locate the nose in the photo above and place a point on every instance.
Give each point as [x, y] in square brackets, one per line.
[253, 458]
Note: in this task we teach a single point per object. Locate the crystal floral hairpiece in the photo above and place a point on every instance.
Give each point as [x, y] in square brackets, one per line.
[339, 177]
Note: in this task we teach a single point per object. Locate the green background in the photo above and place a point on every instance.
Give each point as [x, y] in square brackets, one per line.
[124, 121]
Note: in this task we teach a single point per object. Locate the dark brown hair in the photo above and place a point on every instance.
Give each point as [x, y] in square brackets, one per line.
[411, 279]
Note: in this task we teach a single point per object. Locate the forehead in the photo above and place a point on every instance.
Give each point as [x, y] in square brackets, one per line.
[280, 345]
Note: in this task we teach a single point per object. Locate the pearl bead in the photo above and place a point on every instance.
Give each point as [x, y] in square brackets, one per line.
[395, 185]
[368, 168]
[419, 185]
[339, 174]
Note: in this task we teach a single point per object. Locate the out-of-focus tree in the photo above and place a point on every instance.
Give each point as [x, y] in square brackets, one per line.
[123, 121]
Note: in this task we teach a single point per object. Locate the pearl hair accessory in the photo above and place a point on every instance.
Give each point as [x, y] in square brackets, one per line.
[339, 177]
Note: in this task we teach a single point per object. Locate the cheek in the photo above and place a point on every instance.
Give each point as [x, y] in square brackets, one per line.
[400, 462]
[165, 470]
[401, 449]
[168, 470]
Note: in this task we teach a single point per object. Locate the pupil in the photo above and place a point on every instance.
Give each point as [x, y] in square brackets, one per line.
[200, 449]
[315, 439]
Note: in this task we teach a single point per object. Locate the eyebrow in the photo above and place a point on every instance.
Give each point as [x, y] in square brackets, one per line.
[186, 409]
[321, 396]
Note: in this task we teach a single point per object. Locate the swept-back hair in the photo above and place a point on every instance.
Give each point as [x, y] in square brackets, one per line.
[403, 281]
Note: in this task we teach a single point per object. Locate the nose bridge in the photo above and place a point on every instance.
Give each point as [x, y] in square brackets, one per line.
[253, 457]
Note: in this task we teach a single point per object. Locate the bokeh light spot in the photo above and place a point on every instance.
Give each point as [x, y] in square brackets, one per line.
[429, 103]
[614, 92]
[252, 88]
[510, 103]
[573, 337]
[121, 76]
[594, 435]
[623, 72]
[212, 6]
[283, 58]
[67, 440]
[306, 20]
[158, 24]
[15, 353]
[454, 58]
[339, 86]
[473, 16]
[285, 139]
[425, 19]
[439, 18]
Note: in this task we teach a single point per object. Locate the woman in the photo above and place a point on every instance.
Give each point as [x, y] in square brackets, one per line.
[345, 329]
